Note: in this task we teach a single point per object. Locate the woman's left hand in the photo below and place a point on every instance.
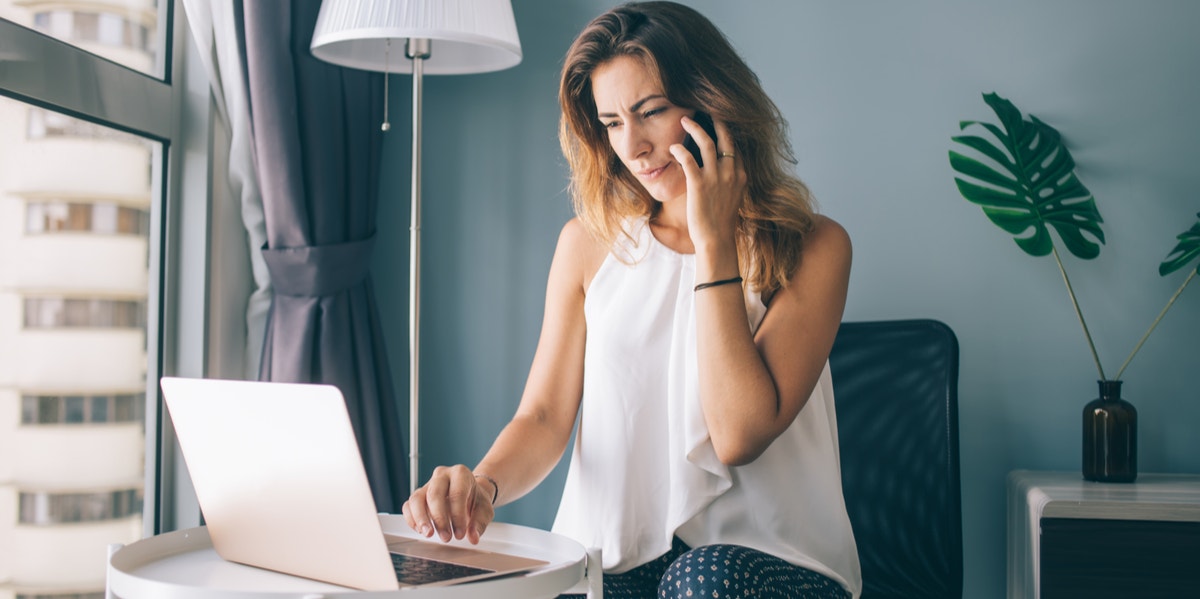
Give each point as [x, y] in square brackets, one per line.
[715, 191]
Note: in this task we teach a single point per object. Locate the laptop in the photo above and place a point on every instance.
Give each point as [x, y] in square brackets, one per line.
[281, 485]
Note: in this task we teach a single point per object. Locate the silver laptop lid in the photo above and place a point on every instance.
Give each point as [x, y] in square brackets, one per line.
[279, 478]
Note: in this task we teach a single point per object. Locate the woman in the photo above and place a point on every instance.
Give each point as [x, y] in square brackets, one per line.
[690, 310]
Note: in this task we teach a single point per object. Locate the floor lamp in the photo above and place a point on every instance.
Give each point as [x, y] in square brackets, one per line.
[439, 37]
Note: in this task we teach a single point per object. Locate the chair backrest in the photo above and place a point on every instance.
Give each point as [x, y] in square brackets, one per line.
[895, 385]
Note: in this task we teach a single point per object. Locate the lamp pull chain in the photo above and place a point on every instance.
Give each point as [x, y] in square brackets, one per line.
[387, 67]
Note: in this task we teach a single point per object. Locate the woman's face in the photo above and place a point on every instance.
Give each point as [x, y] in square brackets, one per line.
[641, 124]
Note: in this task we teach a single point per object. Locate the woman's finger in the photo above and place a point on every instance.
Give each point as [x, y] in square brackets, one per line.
[416, 513]
[481, 516]
[437, 492]
[723, 140]
[462, 497]
[706, 144]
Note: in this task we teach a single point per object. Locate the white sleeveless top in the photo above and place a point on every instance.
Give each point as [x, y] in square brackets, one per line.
[643, 468]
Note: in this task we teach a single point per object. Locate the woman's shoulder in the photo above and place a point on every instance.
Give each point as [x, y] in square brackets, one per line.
[827, 235]
[576, 239]
[580, 248]
[827, 231]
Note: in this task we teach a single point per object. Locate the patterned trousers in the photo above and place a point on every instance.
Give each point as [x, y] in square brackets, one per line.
[718, 572]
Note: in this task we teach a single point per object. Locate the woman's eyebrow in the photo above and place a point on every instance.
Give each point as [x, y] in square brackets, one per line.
[636, 106]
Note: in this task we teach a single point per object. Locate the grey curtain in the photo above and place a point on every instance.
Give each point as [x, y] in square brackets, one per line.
[317, 146]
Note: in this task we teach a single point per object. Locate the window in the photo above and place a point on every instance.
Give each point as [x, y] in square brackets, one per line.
[82, 409]
[60, 313]
[76, 217]
[47, 509]
[92, 134]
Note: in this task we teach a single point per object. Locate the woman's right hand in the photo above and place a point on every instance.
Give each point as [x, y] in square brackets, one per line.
[453, 503]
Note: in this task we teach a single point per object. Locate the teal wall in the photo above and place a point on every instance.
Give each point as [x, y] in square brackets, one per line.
[873, 91]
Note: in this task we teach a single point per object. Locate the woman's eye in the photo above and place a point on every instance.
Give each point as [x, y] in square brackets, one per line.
[611, 124]
[650, 113]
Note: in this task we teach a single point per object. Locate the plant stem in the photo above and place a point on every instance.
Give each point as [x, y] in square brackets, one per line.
[1155, 323]
[1078, 313]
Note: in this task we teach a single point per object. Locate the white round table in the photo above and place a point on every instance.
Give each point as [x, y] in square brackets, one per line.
[183, 565]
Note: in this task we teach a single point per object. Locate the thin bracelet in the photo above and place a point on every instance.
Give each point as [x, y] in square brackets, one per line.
[716, 283]
[495, 486]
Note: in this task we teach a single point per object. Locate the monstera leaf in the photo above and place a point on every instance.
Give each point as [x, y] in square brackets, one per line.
[1028, 184]
[1187, 250]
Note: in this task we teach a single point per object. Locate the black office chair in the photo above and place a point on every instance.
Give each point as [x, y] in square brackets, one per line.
[895, 384]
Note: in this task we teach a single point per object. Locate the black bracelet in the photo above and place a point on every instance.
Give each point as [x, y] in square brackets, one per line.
[495, 487]
[716, 283]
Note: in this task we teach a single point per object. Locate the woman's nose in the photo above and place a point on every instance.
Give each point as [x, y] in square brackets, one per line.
[632, 142]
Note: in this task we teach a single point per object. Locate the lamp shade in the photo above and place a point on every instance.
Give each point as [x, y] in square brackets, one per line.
[467, 36]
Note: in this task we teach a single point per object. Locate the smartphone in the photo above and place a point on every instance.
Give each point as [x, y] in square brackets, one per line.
[706, 122]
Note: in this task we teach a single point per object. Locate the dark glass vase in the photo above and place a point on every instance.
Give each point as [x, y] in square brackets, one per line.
[1110, 437]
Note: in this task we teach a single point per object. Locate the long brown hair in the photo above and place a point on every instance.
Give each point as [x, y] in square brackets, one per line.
[699, 69]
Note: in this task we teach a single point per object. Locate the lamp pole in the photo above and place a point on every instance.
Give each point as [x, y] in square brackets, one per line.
[416, 49]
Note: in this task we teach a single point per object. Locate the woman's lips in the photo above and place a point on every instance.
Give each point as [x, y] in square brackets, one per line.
[653, 173]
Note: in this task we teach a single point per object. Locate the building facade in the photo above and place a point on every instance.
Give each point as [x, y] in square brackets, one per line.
[75, 203]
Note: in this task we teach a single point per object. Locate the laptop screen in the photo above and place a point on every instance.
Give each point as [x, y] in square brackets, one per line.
[280, 481]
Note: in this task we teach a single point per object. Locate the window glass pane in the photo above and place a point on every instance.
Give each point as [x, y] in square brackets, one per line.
[58, 217]
[29, 409]
[73, 409]
[50, 410]
[104, 218]
[79, 217]
[99, 411]
[124, 411]
[35, 218]
[131, 221]
[123, 32]
[75, 200]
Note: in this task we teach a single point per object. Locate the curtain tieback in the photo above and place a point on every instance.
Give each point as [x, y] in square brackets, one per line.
[317, 271]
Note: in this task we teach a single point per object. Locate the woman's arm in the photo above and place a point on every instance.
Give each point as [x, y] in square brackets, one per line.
[542, 425]
[455, 500]
[752, 388]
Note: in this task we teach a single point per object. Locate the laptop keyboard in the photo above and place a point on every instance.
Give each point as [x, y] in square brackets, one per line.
[419, 570]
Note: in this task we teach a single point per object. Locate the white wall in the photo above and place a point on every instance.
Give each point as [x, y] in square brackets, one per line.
[874, 90]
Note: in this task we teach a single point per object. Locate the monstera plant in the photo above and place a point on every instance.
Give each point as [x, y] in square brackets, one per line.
[1023, 177]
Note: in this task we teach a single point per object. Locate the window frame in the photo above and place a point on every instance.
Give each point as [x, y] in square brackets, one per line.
[177, 112]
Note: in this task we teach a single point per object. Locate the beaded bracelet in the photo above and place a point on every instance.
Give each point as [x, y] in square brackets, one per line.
[716, 283]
